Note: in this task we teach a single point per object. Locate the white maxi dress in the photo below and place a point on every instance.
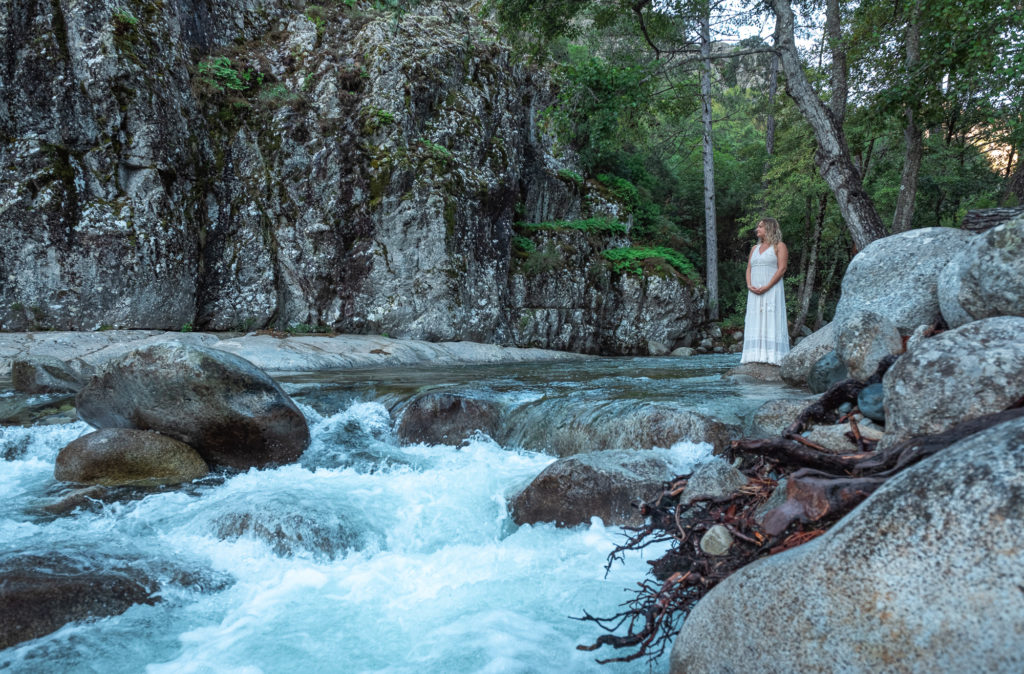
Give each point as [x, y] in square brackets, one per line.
[765, 334]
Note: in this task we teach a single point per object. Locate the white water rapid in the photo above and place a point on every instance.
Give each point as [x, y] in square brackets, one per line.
[368, 556]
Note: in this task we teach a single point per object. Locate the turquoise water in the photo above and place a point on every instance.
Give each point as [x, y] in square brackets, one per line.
[370, 555]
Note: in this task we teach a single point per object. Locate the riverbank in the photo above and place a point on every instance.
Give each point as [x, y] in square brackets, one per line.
[273, 352]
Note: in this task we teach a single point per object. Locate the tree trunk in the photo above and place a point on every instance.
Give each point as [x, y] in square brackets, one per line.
[773, 85]
[912, 136]
[710, 222]
[838, 70]
[833, 155]
[807, 289]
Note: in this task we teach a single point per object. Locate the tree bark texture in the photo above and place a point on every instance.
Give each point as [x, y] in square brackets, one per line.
[811, 269]
[838, 69]
[912, 137]
[833, 155]
[710, 221]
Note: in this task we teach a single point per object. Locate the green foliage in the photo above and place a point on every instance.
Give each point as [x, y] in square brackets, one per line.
[543, 260]
[123, 21]
[187, 327]
[375, 118]
[279, 96]
[219, 74]
[436, 150]
[318, 15]
[522, 245]
[621, 189]
[630, 260]
[571, 176]
[600, 226]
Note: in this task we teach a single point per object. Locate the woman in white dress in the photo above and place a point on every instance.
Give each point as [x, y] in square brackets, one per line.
[766, 333]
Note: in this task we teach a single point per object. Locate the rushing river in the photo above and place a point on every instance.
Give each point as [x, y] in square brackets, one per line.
[370, 555]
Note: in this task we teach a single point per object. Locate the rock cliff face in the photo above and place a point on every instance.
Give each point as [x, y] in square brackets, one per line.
[239, 165]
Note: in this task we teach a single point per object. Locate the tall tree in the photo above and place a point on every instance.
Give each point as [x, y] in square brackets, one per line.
[912, 134]
[710, 218]
[833, 154]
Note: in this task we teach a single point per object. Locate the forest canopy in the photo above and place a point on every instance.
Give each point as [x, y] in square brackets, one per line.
[917, 109]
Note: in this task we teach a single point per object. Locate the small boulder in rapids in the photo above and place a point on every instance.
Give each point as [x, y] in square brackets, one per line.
[222, 405]
[125, 456]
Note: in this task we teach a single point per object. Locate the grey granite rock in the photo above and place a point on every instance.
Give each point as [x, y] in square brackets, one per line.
[986, 278]
[863, 339]
[796, 365]
[961, 374]
[897, 277]
[923, 576]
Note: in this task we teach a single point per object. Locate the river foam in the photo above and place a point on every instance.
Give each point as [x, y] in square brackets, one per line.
[367, 556]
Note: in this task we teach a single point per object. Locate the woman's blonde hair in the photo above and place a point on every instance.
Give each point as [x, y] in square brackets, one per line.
[772, 231]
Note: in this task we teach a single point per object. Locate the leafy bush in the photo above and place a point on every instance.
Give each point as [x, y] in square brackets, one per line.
[540, 261]
[523, 245]
[628, 260]
[221, 75]
[607, 226]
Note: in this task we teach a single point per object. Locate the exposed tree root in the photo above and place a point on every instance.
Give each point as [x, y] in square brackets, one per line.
[820, 488]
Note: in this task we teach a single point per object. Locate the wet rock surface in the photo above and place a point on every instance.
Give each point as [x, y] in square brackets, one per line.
[231, 412]
[446, 418]
[122, 456]
[602, 484]
[39, 596]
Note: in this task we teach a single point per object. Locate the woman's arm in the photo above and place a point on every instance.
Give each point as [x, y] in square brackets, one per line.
[783, 255]
[750, 286]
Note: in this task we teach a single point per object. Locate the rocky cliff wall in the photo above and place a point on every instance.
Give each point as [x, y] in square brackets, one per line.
[244, 164]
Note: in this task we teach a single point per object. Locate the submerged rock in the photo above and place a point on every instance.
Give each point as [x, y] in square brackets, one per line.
[231, 412]
[922, 576]
[441, 417]
[615, 425]
[601, 484]
[122, 456]
[41, 595]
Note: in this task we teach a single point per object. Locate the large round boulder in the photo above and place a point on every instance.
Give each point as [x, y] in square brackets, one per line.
[599, 484]
[222, 405]
[125, 456]
[897, 277]
[796, 365]
[44, 374]
[442, 417]
[924, 576]
[959, 374]
[986, 278]
[864, 339]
